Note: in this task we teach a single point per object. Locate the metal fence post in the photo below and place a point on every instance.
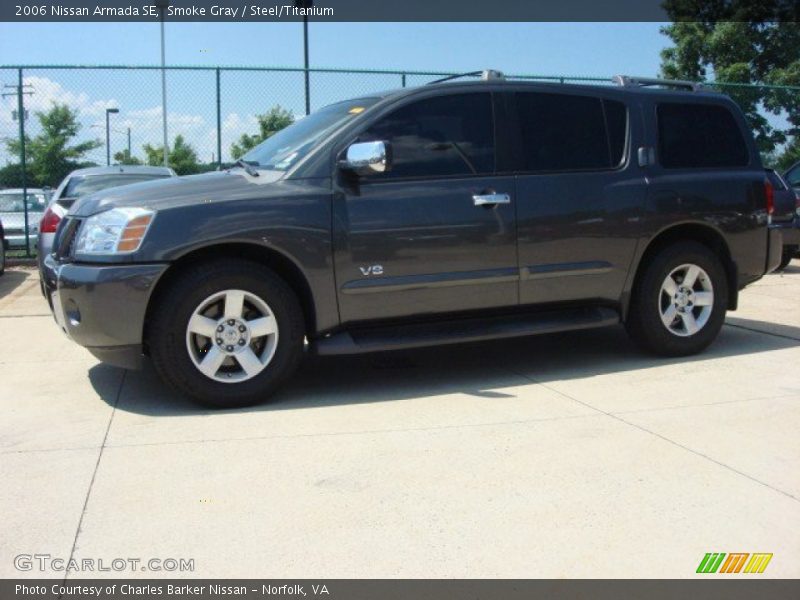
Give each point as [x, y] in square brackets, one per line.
[21, 116]
[219, 124]
[403, 79]
[307, 74]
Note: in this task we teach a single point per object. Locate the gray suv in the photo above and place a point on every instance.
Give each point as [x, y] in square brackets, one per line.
[453, 212]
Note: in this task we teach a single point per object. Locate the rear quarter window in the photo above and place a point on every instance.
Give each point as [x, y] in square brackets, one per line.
[697, 136]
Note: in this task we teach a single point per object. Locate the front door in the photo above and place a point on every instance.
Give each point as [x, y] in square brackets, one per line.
[437, 233]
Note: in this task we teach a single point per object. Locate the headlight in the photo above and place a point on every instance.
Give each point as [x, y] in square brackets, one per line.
[116, 231]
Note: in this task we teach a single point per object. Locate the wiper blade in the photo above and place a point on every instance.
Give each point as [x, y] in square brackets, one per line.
[247, 166]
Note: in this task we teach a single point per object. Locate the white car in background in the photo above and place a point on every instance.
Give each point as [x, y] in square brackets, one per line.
[12, 216]
[83, 182]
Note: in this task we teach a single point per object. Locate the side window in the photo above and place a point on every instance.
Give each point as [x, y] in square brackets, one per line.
[793, 176]
[562, 132]
[699, 136]
[438, 137]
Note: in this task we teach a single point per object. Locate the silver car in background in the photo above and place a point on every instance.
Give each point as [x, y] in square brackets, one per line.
[82, 182]
[12, 216]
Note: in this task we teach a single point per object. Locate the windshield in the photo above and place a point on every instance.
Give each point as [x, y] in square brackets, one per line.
[15, 202]
[289, 145]
[82, 185]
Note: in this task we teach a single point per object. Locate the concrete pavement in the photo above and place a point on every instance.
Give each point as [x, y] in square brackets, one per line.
[569, 455]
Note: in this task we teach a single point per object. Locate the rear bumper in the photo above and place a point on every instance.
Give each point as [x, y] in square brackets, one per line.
[774, 248]
[102, 307]
[17, 241]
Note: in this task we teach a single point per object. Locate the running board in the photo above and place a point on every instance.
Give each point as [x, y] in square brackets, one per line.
[468, 330]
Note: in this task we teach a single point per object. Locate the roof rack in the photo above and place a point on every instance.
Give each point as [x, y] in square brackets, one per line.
[627, 81]
[486, 75]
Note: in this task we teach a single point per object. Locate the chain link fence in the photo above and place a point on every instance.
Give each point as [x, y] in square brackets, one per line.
[208, 108]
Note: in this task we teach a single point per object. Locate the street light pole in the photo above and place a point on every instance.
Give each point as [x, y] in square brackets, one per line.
[162, 5]
[108, 136]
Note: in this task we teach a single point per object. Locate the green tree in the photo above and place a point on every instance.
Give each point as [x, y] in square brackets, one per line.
[740, 41]
[182, 157]
[49, 155]
[124, 157]
[11, 176]
[269, 124]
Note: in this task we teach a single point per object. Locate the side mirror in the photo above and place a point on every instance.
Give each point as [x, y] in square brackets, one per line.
[365, 158]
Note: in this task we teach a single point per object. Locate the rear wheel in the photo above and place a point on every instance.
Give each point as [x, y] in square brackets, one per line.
[679, 304]
[227, 334]
[2, 255]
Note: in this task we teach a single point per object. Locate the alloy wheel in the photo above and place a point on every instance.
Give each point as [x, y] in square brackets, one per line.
[231, 336]
[686, 300]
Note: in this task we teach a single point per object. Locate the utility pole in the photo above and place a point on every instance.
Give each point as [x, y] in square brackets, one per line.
[22, 90]
[163, 5]
[109, 111]
[129, 142]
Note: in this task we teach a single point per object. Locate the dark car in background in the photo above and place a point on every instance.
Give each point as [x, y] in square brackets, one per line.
[792, 176]
[785, 215]
[82, 182]
[2, 250]
[448, 213]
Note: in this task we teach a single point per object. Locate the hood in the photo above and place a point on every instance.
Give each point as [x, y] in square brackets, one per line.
[173, 192]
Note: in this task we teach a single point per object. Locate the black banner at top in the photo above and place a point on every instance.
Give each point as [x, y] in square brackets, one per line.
[398, 10]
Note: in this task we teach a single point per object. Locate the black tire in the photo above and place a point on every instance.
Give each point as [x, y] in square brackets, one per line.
[644, 322]
[2, 255]
[167, 330]
[786, 257]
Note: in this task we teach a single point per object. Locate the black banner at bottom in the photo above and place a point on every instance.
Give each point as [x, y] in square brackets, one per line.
[397, 589]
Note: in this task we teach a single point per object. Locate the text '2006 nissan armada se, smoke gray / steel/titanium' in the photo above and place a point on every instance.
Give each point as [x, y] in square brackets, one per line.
[451, 212]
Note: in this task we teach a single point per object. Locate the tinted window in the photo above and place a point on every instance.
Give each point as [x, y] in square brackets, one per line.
[81, 185]
[561, 132]
[698, 136]
[439, 137]
[793, 176]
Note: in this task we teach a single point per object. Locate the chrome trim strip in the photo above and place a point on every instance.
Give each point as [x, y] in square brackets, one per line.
[596, 267]
[432, 280]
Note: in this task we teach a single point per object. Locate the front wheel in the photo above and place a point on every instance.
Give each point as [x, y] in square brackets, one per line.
[226, 334]
[679, 303]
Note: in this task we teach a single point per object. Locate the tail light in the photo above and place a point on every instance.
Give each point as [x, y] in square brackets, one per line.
[50, 221]
[797, 203]
[769, 192]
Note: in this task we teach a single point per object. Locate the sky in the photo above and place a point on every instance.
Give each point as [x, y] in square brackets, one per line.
[578, 49]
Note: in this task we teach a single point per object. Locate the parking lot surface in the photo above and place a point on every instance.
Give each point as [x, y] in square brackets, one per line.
[569, 455]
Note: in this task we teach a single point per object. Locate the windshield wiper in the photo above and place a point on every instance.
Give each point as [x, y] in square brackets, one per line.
[247, 166]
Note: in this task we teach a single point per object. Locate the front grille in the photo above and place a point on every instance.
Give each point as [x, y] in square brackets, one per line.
[64, 242]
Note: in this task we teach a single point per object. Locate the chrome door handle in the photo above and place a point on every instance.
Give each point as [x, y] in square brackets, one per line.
[490, 199]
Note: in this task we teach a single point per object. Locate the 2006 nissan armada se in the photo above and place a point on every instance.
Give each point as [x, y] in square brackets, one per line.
[452, 212]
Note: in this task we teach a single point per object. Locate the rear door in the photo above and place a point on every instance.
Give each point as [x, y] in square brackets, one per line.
[579, 197]
[421, 239]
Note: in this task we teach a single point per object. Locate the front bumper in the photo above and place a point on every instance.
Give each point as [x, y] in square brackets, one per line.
[102, 307]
